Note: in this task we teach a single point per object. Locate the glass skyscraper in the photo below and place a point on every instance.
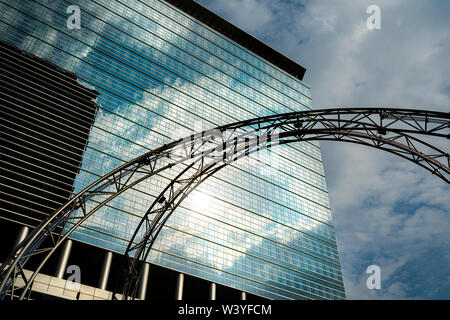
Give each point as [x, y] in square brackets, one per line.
[166, 69]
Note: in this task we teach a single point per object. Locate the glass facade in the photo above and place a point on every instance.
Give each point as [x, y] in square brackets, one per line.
[262, 224]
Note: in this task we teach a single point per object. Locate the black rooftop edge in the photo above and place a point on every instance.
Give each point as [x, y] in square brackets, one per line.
[241, 37]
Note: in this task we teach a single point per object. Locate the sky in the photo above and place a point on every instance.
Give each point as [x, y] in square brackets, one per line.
[387, 211]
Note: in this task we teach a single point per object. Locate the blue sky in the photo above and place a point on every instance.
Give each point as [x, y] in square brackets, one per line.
[387, 211]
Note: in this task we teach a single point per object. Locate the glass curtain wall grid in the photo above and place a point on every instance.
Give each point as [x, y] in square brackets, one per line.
[262, 225]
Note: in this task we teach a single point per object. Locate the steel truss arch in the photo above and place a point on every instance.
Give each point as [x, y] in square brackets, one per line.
[202, 154]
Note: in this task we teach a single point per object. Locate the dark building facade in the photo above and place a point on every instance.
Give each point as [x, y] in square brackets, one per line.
[41, 149]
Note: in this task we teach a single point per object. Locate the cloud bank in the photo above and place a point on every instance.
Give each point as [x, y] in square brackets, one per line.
[387, 211]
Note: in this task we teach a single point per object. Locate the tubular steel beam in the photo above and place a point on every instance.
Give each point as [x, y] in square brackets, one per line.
[169, 199]
[200, 155]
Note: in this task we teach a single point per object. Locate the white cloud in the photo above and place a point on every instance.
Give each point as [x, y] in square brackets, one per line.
[387, 210]
[251, 15]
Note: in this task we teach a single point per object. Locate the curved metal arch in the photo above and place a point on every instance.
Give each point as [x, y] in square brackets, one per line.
[221, 145]
[169, 199]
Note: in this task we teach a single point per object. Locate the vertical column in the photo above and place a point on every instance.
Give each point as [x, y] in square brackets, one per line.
[179, 288]
[21, 236]
[62, 263]
[105, 270]
[243, 295]
[212, 291]
[142, 290]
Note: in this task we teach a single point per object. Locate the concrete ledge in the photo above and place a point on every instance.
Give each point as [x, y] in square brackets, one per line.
[84, 296]
[56, 282]
[99, 293]
[40, 287]
[42, 278]
[64, 289]
[87, 290]
[69, 294]
[19, 282]
[55, 291]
